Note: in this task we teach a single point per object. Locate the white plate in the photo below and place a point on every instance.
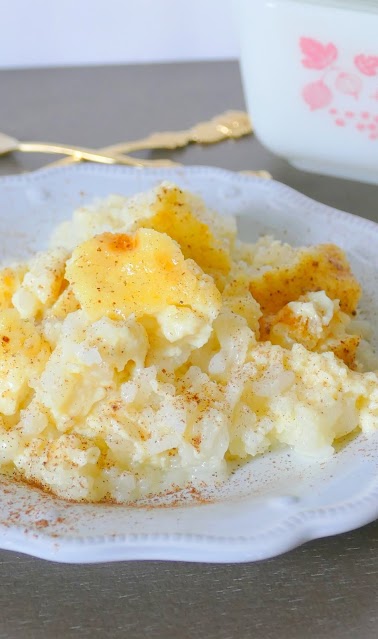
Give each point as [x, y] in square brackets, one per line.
[275, 502]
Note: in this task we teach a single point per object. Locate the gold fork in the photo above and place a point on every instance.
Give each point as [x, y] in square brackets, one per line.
[9, 144]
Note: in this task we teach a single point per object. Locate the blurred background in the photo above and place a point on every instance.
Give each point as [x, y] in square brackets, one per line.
[73, 32]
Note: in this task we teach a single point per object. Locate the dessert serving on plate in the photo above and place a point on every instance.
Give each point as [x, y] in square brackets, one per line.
[149, 349]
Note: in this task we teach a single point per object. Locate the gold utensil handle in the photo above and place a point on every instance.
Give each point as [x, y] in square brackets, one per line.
[82, 153]
[228, 125]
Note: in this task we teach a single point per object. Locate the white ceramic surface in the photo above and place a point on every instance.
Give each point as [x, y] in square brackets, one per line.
[273, 503]
[310, 74]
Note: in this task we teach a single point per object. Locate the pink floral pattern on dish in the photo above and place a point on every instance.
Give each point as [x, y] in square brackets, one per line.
[349, 84]
[317, 95]
[367, 64]
[317, 55]
[334, 81]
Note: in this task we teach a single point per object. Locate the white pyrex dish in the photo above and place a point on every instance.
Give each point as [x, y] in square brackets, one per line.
[310, 73]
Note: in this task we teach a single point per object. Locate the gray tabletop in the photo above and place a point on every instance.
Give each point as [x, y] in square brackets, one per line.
[326, 589]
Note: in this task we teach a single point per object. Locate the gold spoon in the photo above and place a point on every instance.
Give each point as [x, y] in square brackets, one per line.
[228, 125]
[9, 144]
